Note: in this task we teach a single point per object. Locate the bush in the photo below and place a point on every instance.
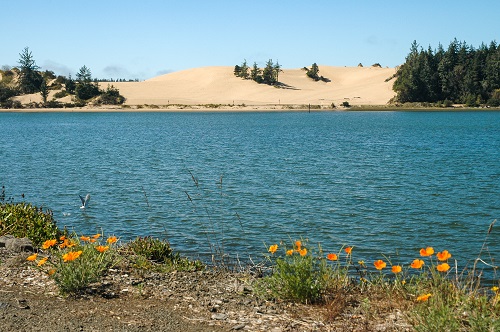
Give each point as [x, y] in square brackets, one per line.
[25, 220]
[111, 97]
[152, 249]
[61, 94]
[300, 275]
[75, 262]
[346, 104]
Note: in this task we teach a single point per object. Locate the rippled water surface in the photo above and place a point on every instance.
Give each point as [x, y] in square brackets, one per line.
[386, 182]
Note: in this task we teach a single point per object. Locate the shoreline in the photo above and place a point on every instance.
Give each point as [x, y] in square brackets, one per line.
[203, 108]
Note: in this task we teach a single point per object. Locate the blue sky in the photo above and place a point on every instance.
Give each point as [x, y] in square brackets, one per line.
[146, 38]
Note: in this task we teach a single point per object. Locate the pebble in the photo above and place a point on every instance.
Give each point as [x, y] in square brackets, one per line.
[219, 316]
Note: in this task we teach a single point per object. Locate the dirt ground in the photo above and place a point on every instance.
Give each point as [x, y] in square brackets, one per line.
[132, 300]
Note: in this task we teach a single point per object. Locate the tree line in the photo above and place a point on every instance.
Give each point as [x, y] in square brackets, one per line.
[460, 74]
[31, 80]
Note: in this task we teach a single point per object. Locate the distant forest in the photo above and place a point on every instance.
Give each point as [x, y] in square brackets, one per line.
[460, 74]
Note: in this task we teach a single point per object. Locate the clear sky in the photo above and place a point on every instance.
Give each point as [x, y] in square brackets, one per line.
[145, 38]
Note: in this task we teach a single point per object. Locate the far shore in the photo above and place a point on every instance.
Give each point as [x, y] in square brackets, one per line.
[246, 108]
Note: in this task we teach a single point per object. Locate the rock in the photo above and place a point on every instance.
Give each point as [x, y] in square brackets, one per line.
[16, 244]
[219, 316]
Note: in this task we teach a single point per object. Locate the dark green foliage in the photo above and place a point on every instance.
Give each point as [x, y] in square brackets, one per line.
[70, 85]
[44, 91]
[269, 74]
[85, 89]
[461, 74]
[346, 104]
[255, 73]
[152, 249]
[61, 94]
[111, 96]
[242, 71]
[313, 72]
[6, 92]
[25, 220]
[30, 79]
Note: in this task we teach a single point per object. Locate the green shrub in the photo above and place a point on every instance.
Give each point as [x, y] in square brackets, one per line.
[74, 263]
[346, 104]
[25, 220]
[300, 275]
[153, 249]
[61, 94]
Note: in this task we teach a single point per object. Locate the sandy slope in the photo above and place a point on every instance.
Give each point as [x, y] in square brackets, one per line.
[218, 85]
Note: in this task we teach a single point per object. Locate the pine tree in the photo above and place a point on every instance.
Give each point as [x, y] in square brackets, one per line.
[268, 75]
[44, 91]
[30, 79]
[255, 73]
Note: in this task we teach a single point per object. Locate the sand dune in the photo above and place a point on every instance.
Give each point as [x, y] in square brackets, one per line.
[218, 85]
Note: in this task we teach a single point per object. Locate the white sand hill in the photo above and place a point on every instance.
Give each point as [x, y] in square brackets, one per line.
[218, 85]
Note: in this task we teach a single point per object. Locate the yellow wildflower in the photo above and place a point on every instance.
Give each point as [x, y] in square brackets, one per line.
[424, 297]
[71, 256]
[417, 264]
[426, 252]
[332, 257]
[49, 243]
[443, 267]
[443, 256]
[379, 264]
[298, 245]
[289, 252]
[303, 252]
[85, 238]
[111, 239]
[32, 257]
[96, 236]
[396, 269]
[102, 248]
[273, 248]
[42, 261]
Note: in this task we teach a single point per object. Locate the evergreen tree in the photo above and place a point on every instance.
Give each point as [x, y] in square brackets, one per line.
[277, 70]
[313, 72]
[30, 79]
[268, 74]
[244, 70]
[85, 87]
[44, 91]
[70, 85]
[255, 73]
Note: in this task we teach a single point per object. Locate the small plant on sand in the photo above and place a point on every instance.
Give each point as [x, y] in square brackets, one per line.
[74, 263]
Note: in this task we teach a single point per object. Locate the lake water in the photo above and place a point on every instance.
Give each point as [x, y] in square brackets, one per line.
[388, 183]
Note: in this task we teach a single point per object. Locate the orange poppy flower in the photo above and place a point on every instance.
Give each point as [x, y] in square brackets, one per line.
[85, 238]
[424, 297]
[42, 261]
[443, 255]
[51, 272]
[273, 248]
[426, 252]
[102, 248]
[396, 269]
[62, 238]
[379, 264]
[303, 252]
[111, 239]
[298, 245]
[443, 267]
[332, 257]
[71, 256]
[32, 258]
[289, 252]
[417, 264]
[49, 243]
[96, 236]
[348, 250]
